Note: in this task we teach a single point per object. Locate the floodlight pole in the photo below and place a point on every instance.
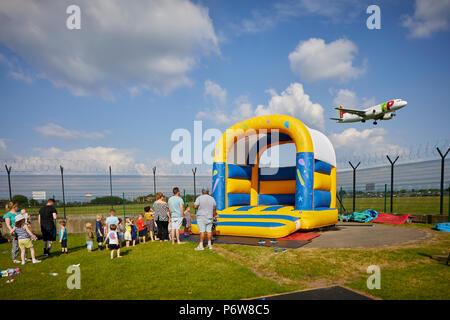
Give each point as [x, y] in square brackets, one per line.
[110, 187]
[354, 182]
[8, 170]
[441, 208]
[154, 182]
[63, 193]
[392, 180]
[194, 171]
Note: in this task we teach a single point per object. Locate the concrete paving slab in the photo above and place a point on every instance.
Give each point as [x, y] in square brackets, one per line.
[358, 235]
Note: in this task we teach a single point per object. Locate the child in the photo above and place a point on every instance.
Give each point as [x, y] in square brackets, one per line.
[187, 221]
[28, 222]
[133, 232]
[128, 231]
[99, 231]
[120, 231]
[24, 235]
[63, 236]
[113, 240]
[142, 229]
[150, 222]
[89, 237]
[105, 232]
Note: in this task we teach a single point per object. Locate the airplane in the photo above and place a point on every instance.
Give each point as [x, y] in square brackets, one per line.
[384, 111]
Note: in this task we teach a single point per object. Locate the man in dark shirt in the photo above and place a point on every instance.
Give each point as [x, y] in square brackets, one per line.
[47, 218]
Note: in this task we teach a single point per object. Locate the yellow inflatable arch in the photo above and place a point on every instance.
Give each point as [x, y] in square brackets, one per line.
[267, 202]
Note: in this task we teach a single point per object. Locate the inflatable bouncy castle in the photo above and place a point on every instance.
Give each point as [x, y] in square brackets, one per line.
[273, 202]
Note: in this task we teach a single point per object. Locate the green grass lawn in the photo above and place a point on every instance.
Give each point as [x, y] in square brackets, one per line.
[165, 271]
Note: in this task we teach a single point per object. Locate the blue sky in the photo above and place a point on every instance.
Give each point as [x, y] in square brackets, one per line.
[114, 91]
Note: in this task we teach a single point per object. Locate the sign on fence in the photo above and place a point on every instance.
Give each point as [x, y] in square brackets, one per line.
[39, 195]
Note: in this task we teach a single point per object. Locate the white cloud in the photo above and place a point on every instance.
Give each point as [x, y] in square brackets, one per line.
[84, 161]
[216, 93]
[3, 144]
[260, 20]
[293, 101]
[313, 60]
[349, 99]
[150, 45]
[354, 143]
[54, 130]
[430, 16]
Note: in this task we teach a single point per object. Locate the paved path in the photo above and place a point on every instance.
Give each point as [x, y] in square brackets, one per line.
[357, 235]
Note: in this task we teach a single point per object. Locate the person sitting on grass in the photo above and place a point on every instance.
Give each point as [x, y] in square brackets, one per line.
[89, 237]
[113, 240]
[142, 228]
[24, 235]
[134, 233]
[99, 231]
[63, 236]
[127, 231]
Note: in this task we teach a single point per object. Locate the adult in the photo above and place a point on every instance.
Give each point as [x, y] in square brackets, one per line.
[112, 219]
[176, 206]
[10, 220]
[205, 206]
[161, 216]
[47, 218]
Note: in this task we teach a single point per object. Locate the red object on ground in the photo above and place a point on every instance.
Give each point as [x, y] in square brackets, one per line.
[390, 218]
[301, 236]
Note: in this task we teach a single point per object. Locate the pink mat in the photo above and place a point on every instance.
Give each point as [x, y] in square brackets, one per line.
[390, 218]
[300, 236]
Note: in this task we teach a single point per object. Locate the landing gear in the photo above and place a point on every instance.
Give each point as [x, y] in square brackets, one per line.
[363, 120]
[374, 123]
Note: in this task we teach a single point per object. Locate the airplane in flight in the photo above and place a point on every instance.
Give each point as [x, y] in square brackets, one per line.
[384, 111]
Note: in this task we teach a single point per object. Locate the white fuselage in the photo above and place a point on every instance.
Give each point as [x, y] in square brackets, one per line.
[383, 111]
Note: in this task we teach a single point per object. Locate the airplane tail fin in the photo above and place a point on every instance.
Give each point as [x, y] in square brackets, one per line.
[341, 113]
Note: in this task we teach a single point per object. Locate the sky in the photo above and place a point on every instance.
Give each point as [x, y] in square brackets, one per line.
[114, 91]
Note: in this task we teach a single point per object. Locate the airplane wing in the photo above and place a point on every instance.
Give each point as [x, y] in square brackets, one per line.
[352, 111]
[337, 119]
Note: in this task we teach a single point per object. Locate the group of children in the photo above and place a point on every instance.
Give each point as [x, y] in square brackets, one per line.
[110, 234]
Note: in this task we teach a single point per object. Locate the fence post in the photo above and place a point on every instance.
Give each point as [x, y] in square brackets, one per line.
[385, 196]
[354, 182]
[340, 202]
[154, 182]
[194, 171]
[63, 193]
[110, 187]
[8, 170]
[441, 207]
[392, 180]
[123, 198]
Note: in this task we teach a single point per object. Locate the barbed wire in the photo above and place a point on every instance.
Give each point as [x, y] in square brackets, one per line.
[34, 165]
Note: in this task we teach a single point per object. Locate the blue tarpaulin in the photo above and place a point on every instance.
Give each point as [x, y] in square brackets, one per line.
[363, 216]
[442, 226]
